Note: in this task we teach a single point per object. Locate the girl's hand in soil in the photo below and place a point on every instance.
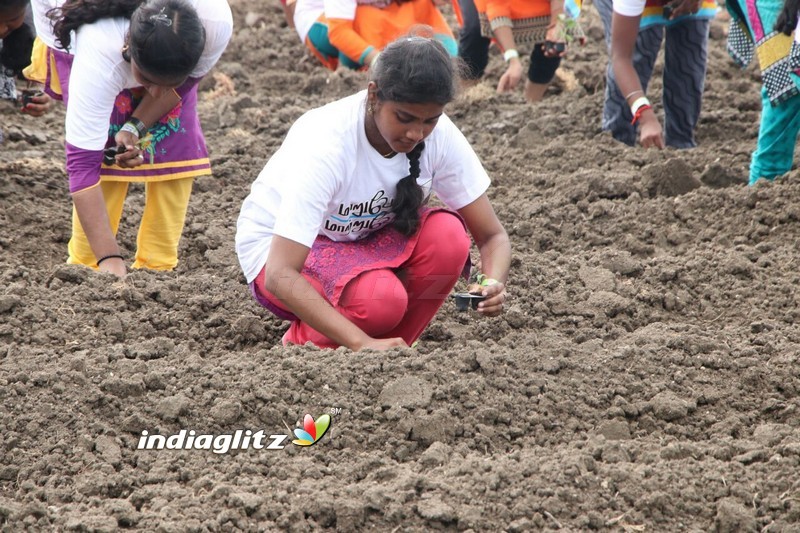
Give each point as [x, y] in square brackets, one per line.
[115, 266]
[510, 78]
[650, 135]
[38, 105]
[132, 156]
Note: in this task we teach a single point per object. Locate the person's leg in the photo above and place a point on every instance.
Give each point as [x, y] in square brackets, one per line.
[777, 136]
[431, 272]
[162, 223]
[473, 47]
[541, 71]
[685, 58]
[614, 105]
[80, 253]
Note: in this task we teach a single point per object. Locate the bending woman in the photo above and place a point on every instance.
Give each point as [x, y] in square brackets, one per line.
[353, 32]
[128, 71]
[634, 31]
[338, 238]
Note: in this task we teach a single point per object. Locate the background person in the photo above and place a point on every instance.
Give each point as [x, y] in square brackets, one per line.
[353, 32]
[16, 46]
[128, 71]
[764, 29]
[634, 31]
[514, 23]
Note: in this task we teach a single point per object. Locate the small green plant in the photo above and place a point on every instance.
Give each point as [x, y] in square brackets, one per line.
[145, 144]
[568, 27]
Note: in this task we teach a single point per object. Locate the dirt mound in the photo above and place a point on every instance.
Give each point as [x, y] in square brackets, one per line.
[644, 377]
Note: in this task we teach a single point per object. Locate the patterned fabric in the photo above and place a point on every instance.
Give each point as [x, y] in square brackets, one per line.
[176, 147]
[776, 52]
[335, 263]
[740, 45]
[8, 87]
[654, 13]
[380, 4]
[526, 31]
[794, 57]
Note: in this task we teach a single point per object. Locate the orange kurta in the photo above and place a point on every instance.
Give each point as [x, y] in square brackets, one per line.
[513, 9]
[375, 27]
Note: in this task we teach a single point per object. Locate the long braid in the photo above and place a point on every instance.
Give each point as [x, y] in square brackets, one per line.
[409, 196]
[415, 69]
[787, 19]
[75, 13]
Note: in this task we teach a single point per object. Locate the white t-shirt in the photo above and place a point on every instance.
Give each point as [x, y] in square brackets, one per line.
[340, 9]
[306, 13]
[326, 179]
[629, 8]
[99, 72]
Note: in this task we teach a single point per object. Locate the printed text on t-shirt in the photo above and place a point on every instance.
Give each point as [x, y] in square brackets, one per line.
[359, 216]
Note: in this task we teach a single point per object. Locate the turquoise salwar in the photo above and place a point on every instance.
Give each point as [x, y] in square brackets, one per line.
[777, 136]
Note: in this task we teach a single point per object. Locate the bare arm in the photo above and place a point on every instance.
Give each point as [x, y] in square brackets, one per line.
[624, 31]
[513, 74]
[150, 110]
[495, 251]
[283, 279]
[91, 208]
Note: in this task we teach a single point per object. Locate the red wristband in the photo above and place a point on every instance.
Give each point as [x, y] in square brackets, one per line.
[639, 112]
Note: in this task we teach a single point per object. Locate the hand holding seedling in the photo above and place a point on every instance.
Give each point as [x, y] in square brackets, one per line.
[494, 292]
[34, 103]
[132, 156]
[556, 39]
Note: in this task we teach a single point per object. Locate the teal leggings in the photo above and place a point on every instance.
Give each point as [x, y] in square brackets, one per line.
[777, 136]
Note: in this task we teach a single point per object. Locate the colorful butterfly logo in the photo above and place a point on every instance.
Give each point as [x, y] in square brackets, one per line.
[312, 430]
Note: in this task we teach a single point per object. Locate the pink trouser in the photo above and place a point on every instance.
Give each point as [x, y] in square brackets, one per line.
[387, 303]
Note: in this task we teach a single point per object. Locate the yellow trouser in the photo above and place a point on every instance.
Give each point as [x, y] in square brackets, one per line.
[159, 232]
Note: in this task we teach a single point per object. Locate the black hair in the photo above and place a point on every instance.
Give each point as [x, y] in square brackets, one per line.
[413, 70]
[166, 37]
[6, 5]
[16, 50]
[18, 44]
[787, 19]
[75, 13]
